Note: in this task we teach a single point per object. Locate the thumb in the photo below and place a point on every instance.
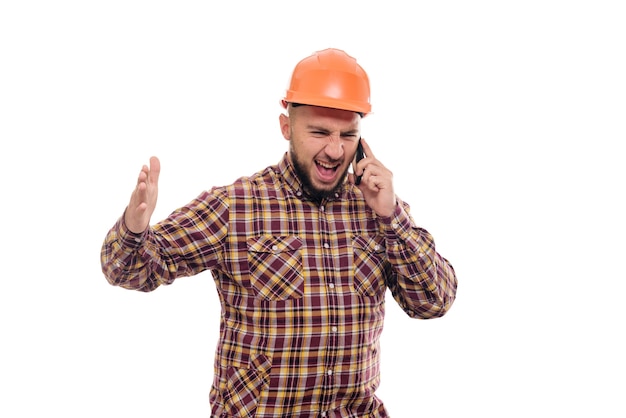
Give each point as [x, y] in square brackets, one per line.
[155, 170]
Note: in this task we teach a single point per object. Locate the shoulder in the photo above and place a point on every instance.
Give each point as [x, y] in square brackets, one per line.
[251, 185]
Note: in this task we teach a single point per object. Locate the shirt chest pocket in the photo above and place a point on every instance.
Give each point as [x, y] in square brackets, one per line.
[275, 266]
[370, 265]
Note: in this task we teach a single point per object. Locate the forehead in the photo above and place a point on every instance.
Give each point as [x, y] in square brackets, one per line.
[326, 115]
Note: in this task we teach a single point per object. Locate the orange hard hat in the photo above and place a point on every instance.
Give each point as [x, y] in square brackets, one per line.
[330, 78]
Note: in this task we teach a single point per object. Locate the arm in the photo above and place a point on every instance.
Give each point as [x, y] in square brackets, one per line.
[136, 256]
[424, 283]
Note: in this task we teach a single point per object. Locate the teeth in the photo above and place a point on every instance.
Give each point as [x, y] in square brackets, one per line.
[325, 165]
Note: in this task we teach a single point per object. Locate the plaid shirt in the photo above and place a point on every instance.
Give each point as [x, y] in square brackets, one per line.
[302, 288]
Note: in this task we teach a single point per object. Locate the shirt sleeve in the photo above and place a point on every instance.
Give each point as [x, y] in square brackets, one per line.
[423, 283]
[187, 242]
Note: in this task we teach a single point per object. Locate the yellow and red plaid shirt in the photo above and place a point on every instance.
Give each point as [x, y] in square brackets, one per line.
[302, 288]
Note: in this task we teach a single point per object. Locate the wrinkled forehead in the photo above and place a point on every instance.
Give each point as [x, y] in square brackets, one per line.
[321, 113]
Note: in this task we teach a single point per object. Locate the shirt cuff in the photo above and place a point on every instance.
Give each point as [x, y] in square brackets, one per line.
[398, 225]
[128, 238]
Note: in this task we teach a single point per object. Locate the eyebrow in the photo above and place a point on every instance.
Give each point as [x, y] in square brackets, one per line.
[322, 129]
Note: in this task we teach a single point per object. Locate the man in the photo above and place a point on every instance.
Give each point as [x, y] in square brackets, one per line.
[301, 256]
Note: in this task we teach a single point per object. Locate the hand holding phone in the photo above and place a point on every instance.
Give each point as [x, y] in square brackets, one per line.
[359, 156]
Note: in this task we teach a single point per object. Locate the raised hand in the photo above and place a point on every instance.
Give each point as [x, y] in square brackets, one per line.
[376, 183]
[144, 197]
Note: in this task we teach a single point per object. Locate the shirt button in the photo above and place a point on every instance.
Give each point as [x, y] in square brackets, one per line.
[395, 225]
[322, 208]
[334, 329]
[329, 372]
[298, 193]
[331, 285]
[376, 247]
[326, 245]
[274, 247]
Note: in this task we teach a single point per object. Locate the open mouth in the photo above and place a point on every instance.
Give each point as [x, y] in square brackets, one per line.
[326, 171]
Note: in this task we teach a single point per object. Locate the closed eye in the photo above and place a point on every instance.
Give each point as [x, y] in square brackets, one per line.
[350, 136]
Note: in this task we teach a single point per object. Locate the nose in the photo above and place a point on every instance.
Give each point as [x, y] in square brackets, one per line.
[334, 148]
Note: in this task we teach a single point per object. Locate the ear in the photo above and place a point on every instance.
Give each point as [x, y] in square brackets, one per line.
[284, 125]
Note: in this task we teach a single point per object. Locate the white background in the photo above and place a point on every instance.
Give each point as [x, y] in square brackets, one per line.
[503, 122]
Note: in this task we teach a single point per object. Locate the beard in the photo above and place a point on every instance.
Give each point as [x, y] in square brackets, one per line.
[316, 193]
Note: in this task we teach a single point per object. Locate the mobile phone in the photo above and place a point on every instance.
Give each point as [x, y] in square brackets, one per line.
[359, 156]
